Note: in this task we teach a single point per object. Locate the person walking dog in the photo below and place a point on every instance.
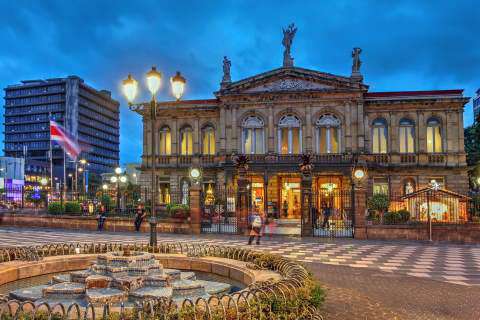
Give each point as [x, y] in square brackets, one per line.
[256, 224]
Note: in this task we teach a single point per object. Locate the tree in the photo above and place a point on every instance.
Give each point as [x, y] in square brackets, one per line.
[472, 148]
[472, 144]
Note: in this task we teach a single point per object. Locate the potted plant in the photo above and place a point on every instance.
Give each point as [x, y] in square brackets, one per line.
[379, 203]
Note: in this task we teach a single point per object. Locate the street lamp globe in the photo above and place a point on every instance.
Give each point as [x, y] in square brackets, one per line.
[80, 169]
[123, 179]
[104, 186]
[118, 170]
[178, 85]
[478, 180]
[83, 161]
[154, 80]
[359, 174]
[130, 88]
[44, 181]
[113, 179]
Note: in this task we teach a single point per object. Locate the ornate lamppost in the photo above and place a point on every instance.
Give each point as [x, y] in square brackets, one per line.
[130, 90]
[117, 178]
[359, 174]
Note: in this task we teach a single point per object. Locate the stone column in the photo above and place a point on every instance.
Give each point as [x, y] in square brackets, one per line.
[360, 127]
[308, 130]
[195, 208]
[271, 131]
[234, 144]
[222, 130]
[347, 146]
[306, 205]
[242, 201]
[359, 195]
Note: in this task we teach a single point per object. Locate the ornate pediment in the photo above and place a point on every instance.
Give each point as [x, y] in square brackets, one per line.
[288, 84]
[291, 80]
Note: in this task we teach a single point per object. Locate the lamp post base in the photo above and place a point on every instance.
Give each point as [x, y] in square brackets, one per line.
[153, 231]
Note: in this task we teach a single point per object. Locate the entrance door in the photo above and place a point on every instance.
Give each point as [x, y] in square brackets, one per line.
[290, 207]
[334, 207]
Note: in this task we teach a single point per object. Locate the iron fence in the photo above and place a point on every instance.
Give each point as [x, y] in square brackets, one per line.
[439, 206]
[332, 214]
[218, 208]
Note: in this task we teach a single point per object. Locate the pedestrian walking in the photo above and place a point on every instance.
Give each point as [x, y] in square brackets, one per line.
[139, 217]
[327, 212]
[101, 220]
[256, 223]
[314, 214]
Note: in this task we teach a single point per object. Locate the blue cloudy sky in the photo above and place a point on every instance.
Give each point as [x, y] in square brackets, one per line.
[407, 45]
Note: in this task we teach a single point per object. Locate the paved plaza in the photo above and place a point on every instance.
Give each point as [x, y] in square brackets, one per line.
[364, 279]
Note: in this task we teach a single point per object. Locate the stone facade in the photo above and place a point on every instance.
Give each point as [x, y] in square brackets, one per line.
[409, 136]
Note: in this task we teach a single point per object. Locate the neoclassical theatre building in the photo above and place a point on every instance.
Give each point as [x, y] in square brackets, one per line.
[407, 139]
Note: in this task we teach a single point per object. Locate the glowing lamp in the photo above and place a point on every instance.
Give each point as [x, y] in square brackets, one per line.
[178, 85]
[154, 80]
[123, 179]
[118, 170]
[113, 179]
[195, 173]
[105, 186]
[359, 174]
[130, 88]
[44, 181]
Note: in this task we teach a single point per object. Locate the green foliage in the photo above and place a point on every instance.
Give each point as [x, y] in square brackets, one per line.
[379, 202]
[106, 200]
[173, 207]
[398, 217]
[73, 207]
[56, 208]
[317, 296]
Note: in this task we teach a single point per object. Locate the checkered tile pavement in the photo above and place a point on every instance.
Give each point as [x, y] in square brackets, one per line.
[449, 263]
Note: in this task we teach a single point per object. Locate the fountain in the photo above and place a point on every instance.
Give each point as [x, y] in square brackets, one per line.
[122, 277]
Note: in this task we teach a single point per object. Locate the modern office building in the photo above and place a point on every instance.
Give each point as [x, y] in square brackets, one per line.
[476, 106]
[89, 115]
[12, 175]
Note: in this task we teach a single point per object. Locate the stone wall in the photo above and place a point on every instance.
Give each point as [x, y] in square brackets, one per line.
[90, 223]
[461, 233]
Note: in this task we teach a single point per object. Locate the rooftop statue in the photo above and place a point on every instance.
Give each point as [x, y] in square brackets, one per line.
[226, 71]
[288, 35]
[356, 63]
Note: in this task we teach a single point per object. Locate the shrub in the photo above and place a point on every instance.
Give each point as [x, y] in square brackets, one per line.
[72, 207]
[404, 215]
[56, 208]
[379, 202]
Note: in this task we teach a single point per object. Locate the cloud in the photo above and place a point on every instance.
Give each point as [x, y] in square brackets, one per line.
[408, 45]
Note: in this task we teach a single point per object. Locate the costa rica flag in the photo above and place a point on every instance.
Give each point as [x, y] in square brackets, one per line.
[58, 134]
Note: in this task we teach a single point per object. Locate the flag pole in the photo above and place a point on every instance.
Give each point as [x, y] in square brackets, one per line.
[64, 175]
[51, 153]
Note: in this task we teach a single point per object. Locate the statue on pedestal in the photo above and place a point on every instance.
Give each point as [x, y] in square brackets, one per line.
[356, 63]
[226, 71]
[288, 35]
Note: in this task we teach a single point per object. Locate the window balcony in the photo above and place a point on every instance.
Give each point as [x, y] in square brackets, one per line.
[408, 158]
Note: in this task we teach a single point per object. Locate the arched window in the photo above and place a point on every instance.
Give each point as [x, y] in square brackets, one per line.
[208, 140]
[434, 136]
[289, 135]
[328, 134]
[186, 141]
[165, 141]
[407, 136]
[379, 136]
[252, 136]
